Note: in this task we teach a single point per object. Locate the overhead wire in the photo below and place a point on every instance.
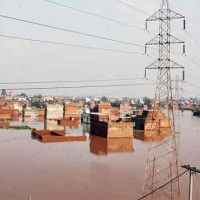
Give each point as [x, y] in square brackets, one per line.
[196, 188]
[145, 13]
[150, 193]
[192, 85]
[194, 40]
[191, 77]
[187, 57]
[197, 177]
[141, 11]
[68, 44]
[94, 15]
[68, 81]
[70, 31]
[188, 34]
[86, 34]
[81, 87]
[190, 93]
[193, 61]
[133, 7]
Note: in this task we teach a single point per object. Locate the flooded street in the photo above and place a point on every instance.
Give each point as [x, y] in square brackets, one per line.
[95, 169]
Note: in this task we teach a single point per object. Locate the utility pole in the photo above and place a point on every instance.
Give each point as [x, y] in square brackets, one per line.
[162, 159]
[192, 170]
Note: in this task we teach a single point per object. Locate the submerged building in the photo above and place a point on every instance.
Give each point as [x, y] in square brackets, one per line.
[106, 123]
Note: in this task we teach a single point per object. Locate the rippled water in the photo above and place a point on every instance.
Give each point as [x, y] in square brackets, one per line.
[96, 169]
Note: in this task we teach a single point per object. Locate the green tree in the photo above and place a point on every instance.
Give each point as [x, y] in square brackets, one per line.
[36, 104]
[116, 103]
[104, 99]
[24, 95]
[147, 101]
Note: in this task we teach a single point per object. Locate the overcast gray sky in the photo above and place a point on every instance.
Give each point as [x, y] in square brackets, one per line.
[29, 61]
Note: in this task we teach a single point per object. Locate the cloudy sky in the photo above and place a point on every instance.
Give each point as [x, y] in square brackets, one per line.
[32, 61]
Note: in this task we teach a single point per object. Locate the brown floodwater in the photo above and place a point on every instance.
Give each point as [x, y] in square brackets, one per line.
[96, 169]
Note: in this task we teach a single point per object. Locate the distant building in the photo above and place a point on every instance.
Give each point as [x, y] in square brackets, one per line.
[103, 146]
[85, 117]
[53, 111]
[105, 122]
[73, 110]
[3, 93]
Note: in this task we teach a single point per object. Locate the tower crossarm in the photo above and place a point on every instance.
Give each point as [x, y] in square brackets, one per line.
[173, 15]
[175, 65]
[154, 17]
[175, 40]
[156, 65]
[156, 40]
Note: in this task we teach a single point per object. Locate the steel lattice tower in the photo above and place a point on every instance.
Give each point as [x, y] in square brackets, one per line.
[178, 88]
[162, 161]
[177, 94]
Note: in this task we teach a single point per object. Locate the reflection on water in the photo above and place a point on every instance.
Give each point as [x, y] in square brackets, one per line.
[105, 146]
[86, 128]
[73, 128]
[52, 125]
[69, 171]
[40, 118]
[31, 122]
[47, 136]
[152, 136]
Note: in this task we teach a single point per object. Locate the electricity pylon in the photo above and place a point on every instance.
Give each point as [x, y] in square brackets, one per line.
[176, 93]
[162, 160]
[178, 88]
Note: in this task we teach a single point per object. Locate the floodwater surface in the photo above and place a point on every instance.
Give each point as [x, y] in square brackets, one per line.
[93, 170]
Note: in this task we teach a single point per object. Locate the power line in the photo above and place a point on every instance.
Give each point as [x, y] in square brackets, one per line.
[192, 171]
[188, 57]
[196, 186]
[197, 177]
[70, 31]
[79, 87]
[193, 85]
[162, 185]
[191, 37]
[190, 93]
[131, 6]
[67, 81]
[71, 45]
[94, 15]
[145, 13]
[193, 61]
[191, 77]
